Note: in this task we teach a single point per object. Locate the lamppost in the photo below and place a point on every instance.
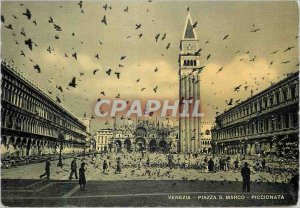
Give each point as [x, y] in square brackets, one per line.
[61, 139]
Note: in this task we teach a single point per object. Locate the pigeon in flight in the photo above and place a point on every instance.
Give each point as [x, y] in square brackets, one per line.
[236, 89]
[156, 37]
[37, 67]
[168, 46]
[104, 20]
[138, 26]
[219, 70]
[73, 82]
[9, 27]
[51, 20]
[75, 55]
[29, 43]
[225, 37]
[59, 88]
[288, 49]
[94, 72]
[56, 27]
[195, 24]
[255, 30]
[27, 14]
[118, 74]
[58, 100]
[108, 72]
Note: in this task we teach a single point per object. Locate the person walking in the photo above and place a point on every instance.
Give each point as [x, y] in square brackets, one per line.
[82, 179]
[210, 165]
[73, 169]
[246, 177]
[47, 170]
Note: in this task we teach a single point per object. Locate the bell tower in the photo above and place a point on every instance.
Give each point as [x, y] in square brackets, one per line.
[189, 87]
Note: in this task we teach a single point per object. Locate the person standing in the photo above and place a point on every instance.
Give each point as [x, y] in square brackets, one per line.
[118, 169]
[170, 161]
[73, 169]
[82, 179]
[228, 163]
[47, 170]
[263, 163]
[210, 165]
[236, 164]
[104, 166]
[246, 177]
[148, 162]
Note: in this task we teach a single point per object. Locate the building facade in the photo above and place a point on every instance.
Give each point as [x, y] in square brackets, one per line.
[32, 122]
[189, 88]
[103, 139]
[206, 137]
[151, 136]
[266, 123]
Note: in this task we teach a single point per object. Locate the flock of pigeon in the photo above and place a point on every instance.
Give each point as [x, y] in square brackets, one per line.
[31, 44]
[8, 24]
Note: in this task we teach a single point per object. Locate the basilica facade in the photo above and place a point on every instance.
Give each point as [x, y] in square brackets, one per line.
[150, 136]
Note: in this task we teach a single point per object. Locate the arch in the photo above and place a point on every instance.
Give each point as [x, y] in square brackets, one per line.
[140, 143]
[163, 144]
[152, 145]
[209, 150]
[127, 145]
[118, 144]
[207, 132]
[141, 132]
[18, 141]
[28, 146]
[195, 63]
[4, 140]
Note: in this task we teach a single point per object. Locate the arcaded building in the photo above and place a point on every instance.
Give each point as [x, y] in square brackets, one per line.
[266, 123]
[32, 122]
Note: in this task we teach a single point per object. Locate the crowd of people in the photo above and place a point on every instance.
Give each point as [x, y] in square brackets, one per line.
[152, 163]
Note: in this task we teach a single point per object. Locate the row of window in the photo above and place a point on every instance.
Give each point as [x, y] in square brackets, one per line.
[205, 142]
[31, 126]
[271, 100]
[189, 62]
[103, 139]
[36, 107]
[265, 125]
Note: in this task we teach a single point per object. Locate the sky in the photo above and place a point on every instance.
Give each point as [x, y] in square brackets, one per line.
[251, 59]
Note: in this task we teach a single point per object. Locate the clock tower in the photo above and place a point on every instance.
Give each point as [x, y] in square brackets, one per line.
[189, 87]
